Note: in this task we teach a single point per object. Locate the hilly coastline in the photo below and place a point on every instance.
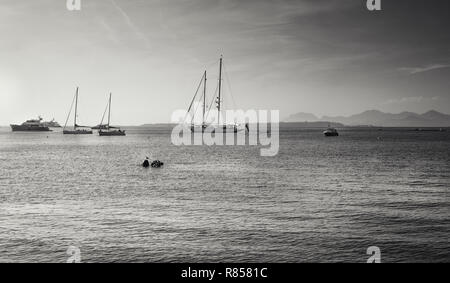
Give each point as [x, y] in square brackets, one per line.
[378, 118]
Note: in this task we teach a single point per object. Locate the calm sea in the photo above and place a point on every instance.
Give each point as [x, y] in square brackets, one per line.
[319, 200]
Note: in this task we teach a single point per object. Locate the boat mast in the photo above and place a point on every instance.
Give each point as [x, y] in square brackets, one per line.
[76, 106]
[109, 110]
[204, 99]
[220, 87]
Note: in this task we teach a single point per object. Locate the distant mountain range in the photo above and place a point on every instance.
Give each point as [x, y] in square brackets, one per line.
[377, 118]
[318, 124]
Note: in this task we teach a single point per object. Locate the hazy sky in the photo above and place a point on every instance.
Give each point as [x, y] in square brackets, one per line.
[318, 56]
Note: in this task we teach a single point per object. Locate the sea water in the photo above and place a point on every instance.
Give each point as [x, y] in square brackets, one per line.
[321, 199]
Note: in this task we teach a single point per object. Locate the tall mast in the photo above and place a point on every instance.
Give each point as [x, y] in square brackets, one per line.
[220, 88]
[109, 110]
[204, 99]
[76, 106]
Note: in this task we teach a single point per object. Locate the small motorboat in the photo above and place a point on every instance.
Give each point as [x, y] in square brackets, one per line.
[331, 132]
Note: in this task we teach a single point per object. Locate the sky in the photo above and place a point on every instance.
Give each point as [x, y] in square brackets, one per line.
[327, 57]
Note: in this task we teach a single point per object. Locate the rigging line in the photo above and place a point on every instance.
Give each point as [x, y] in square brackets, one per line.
[193, 99]
[70, 111]
[198, 105]
[104, 113]
[213, 64]
[195, 110]
[212, 100]
[229, 87]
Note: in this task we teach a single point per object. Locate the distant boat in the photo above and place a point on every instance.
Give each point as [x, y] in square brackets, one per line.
[98, 127]
[33, 125]
[331, 132]
[77, 129]
[202, 127]
[52, 124]
[220, 127]
[109, 130]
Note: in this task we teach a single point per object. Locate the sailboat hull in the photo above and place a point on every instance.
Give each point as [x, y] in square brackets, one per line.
[225, 130]
[220, 129]
[111, 133]
[198, 128]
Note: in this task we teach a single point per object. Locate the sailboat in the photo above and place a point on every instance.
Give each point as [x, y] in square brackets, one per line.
[220, 127]
[109, 130]
[77, 129]
[202, 127]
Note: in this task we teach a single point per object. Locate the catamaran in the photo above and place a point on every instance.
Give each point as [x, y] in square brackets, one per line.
[221, 126]
[77, 129]
[108, 130]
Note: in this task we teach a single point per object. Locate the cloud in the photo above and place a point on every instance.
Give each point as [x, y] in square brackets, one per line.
[130, 24]
[110, 31]
[417, 70]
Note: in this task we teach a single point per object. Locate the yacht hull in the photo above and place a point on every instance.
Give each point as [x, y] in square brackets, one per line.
[22, 128]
